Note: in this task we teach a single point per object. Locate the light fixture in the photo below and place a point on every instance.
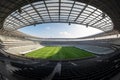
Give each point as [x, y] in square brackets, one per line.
[86, 25]
[34, 24]
[20, 10]
[103, 15]
[69, 23]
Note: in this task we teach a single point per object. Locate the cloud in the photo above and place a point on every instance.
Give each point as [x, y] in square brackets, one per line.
[48, 28]
[65, 34]
[60, 30]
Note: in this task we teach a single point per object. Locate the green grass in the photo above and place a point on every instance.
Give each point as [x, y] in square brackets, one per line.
[59, 53]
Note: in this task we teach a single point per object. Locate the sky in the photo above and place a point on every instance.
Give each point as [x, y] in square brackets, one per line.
[59, 30]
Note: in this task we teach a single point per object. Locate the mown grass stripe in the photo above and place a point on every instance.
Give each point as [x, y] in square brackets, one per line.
[58, 53]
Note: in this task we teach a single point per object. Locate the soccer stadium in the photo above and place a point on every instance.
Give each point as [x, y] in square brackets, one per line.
[26, 56]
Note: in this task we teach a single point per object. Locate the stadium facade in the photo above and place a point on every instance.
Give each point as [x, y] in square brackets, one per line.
[100, 14]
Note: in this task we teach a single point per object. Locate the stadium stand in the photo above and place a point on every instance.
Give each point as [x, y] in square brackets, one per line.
[100, 14]
[17, 44]
[97, 68]
[94, 70]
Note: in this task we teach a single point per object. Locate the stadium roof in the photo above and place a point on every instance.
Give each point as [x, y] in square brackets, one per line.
[101, 14]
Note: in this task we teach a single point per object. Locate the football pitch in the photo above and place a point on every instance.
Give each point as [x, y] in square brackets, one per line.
[59, 53]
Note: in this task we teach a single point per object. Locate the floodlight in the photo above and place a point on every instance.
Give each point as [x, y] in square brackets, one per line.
[20, 10]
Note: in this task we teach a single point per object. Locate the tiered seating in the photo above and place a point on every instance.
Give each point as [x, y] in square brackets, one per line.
[18, 43]
[35, 72]
[18, 47]
[90, 69]
[93, 70]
